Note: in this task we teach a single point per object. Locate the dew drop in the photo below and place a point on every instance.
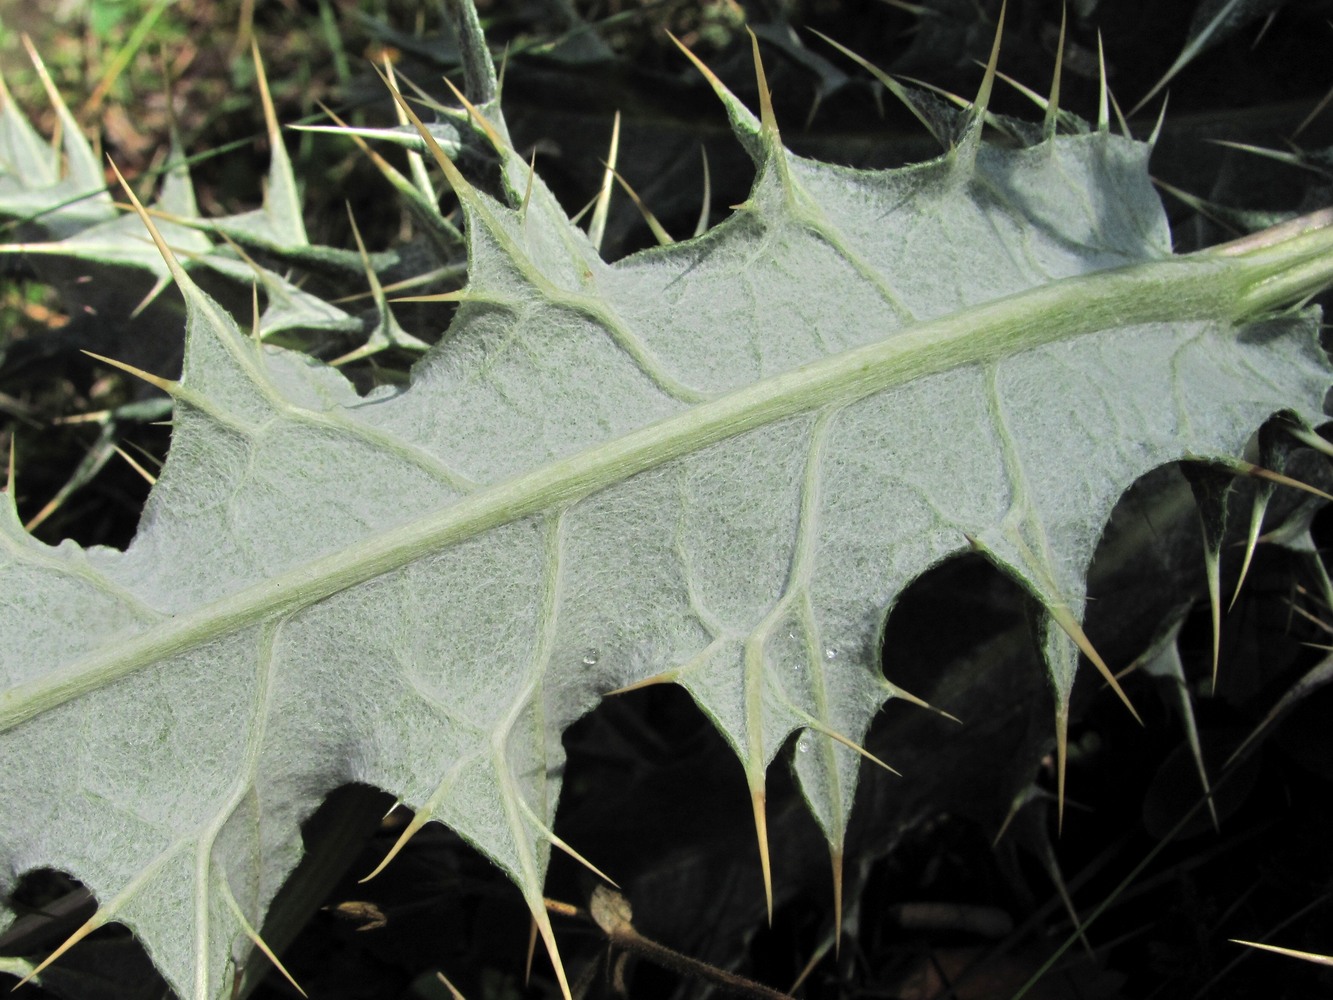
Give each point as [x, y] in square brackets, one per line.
[803, 745]
[590, 657]
[830, 654]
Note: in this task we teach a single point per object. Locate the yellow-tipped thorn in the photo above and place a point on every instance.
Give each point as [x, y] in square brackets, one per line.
[254, 311]
[1323, 103]
[816, 957]
[577, 217]
[659, 231]
[408, 833]
[532, 952]
[1251, 543]
[581, 859]
[457, 295]
[134, 464]
[49, 508]
[52, 91]
[1305, 956]
[169, 386]
[1061, 616]
[1061, 759]
[597, 225]
[907, 696]
[1161, 120]
[527, 188]
[1057, 878]
[1041, 102]
[66, 123]
[1259, 472]
[1310, 439]
[988, 80]
[1014, 808]
[451, 173]
[416, 165]
[173, 265]
[478, 118]
[977, 110]
[1053, 102]
[718, 86]
[259, 942]
[766, 117]
[543, 922]
[453, 990]
[701, 226]
[849, 743]
[835, 856]
[371, 278]
[1213, 573]
[758, 803]
[893, 86]
[361, 143]
[1119, 116]
[376, 342]
[265, 98]
[87, 927]
[239, 251]
[550, 835]
[1103, 92]
[150, 296]
[698, 63]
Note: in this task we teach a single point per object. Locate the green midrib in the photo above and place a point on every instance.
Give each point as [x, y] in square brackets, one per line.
[1204, 286]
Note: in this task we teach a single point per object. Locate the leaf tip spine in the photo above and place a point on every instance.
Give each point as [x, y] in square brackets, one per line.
[1049, 122]
[768, 120]
[543, 922]
[735, 110]
[889, 83]
[265, 96]
[461, 187]
[835, 858]
[1161, 120]
[173, 265]
[971, 142]
[1061, 759]
[1259, 472]
[409, 831]
[248, 929]
[481, 121]
[87, 927]
[1103, 91]
[758, 803]
[1065, 619]
[170, 386]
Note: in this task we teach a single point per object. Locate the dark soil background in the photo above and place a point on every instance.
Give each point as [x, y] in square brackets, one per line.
[937, 903]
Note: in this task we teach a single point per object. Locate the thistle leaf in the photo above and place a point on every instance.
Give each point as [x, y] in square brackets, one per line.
[717, 463]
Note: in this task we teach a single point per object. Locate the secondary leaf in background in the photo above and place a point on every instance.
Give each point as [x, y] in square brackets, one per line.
[717, 463]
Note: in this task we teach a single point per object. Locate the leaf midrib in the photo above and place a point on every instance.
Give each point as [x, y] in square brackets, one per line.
[1198, 286]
